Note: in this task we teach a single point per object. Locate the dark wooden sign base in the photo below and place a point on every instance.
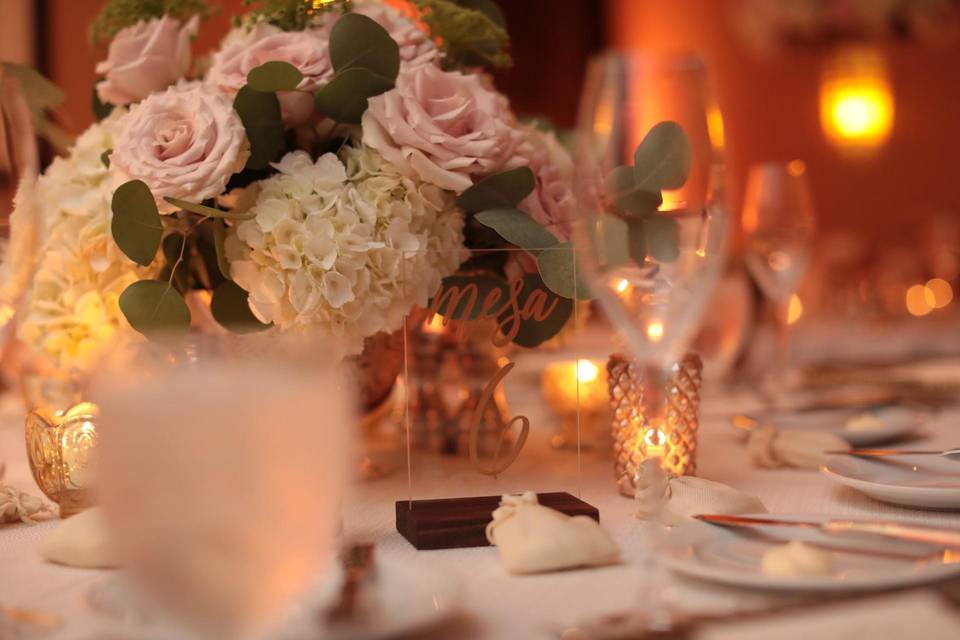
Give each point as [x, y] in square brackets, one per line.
[454, 523]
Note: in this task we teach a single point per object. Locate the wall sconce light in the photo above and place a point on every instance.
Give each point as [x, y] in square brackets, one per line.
[856, 100]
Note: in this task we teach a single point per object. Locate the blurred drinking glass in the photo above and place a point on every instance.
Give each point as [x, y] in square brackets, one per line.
[778, 224]
[221, 475]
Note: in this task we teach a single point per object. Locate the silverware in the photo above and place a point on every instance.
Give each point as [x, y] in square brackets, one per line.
[952, 454]
[913, 533]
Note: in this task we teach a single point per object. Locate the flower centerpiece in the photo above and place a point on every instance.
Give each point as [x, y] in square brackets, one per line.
[326, 169]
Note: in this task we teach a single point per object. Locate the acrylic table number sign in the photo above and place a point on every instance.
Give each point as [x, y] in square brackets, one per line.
[476, 423]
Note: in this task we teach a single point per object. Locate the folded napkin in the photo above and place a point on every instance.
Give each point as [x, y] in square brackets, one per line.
[17, 506]
[770, 448]
[81, 541]
[533, 538]
[673, 500]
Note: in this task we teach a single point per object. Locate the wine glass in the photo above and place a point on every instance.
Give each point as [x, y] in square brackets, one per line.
[221, 471]
[651, 233]
[778, 224]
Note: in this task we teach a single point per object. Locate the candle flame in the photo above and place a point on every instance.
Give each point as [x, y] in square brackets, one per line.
[434, 325]
[655, 331]
[587, 371]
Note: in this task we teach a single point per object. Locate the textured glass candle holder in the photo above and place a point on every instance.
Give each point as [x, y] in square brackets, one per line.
[60, 447]
[671, 436]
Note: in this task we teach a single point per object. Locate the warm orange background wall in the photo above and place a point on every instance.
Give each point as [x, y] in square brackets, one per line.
[771, 113]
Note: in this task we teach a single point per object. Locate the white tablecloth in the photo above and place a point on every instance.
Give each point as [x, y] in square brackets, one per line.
[495, 605]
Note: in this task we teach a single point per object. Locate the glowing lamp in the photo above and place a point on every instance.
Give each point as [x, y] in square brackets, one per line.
[856, 100]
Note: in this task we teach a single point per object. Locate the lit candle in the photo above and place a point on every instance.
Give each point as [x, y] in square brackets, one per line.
[573, 385]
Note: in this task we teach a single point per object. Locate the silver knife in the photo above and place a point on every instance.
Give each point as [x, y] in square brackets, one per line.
[952, 454]
[913, 533]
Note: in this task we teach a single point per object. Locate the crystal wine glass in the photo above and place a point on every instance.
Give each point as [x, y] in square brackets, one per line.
[221, 472]
[652, 226]
[778, 223]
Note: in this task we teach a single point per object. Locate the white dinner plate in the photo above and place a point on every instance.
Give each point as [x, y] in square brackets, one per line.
[929, 482]
[733, 556]
[859, 427]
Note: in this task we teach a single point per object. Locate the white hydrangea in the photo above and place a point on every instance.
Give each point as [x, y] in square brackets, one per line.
[71, 309]
[344, 245]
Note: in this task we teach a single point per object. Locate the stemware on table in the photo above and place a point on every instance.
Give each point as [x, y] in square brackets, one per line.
[654, 301]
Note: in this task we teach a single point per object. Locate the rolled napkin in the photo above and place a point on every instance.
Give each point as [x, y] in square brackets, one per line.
[533, 538]
[767, 447]
[17, 506]
[81, 541]
[673, 500]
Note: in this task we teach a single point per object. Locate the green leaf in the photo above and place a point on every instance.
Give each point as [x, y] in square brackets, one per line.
[260, 114]
[344, 98]
[455, 297]
[614, 239]
[105, 158]
[274, 76]
[637, 240]
[662, 241]
[620, 180]
[500, 190]
[517, 228]
[208, 212]
[174, 245]
[155, 309]
[231, 308]
[101, 109]
[488, 8]
[358, 42]
[662, 160]
[558, 269]
[136, 226]
[535, 332]
[638, 203]
[219, 237]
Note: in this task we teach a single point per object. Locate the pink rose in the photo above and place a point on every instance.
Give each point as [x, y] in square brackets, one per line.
[184, 143]
[442, 127]
[552, 202]
[416, 47]
[146, 57]
[308, 51]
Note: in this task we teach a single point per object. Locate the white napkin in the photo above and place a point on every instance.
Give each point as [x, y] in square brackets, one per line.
[81, 541]
[803, 449]
[533, 538]
[673, 500]
[17, 506]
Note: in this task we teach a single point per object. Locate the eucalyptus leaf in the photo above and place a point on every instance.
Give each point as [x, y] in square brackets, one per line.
[662, 160]
[208, 212]
[260, 114]
[275, 75]
[219, 237]
[662, 238]
[230, 307]
[136, 226]
[613, 234]
[637, 240]
[620, 180]
[344, 98]
[533, 332]
[517, 228]
[155, 309]
[559, 272]
[358, 42]
[505, 189]
[456, 296]
[638, 202]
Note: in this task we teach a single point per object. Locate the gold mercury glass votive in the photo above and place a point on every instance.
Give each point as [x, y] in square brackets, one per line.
[670, 437]
[60, 446]
[572, 385]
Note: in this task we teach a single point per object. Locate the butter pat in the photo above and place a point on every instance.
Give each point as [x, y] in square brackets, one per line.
[797, 559]
[865, 421]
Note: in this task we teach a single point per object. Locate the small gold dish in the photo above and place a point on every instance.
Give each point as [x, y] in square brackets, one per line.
[60, 447]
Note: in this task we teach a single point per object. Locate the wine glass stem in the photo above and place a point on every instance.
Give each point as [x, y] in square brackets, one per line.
[782, 350]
